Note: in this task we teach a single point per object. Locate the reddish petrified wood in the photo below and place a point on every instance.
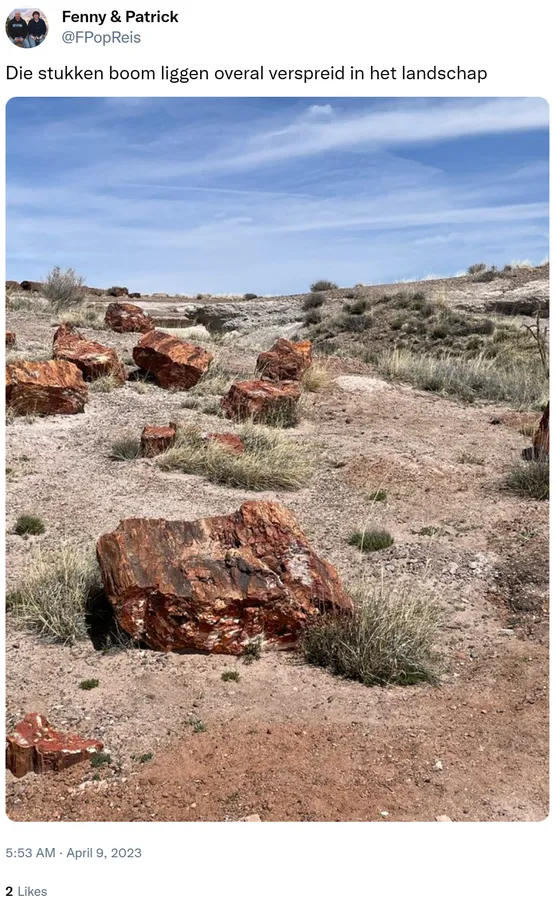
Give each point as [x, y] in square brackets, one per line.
[50, 386]
[127, 317]
[35, 746]
[156, 439]
[93, 359]
[173, 363]
[260, 400]
[541, 438]
[10, 339]
[216, 583]
[228, 440]
[285, 361]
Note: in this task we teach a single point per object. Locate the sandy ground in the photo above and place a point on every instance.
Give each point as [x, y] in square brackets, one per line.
[288, 741]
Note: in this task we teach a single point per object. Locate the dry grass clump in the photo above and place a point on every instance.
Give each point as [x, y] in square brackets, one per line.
[29, 524]
[86, 316]
[63, 289]
[313, 301]
[530, 478]
[323, 285]
[371, 540]
[389, 639]
[127, 447]
[520, 381]
[21, 303]
[316, 378]
[105, 383]
[216, 381]
[270, 461]
[53, 598]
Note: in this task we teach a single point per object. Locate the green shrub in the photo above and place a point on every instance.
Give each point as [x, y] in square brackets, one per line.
[390, 637]
[270, 460]
[530, 478]
[230, 676]
[63, 290]
[89, 684]
[126, 448]
[476, 268]
[313, 301]
[53, 597]
[323, 285]
[380, 495]
[371, 540]
[27, 524]
[357, 307]
[100, 759]
[312, 317]
[252, 651]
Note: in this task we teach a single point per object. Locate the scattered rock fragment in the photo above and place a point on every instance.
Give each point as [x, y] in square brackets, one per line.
[216, 583]
[443, 819]
[35, 746]
[117, 291]
[157, 439]
[46, 387]
[35, 287]
[541, 438]
[127, 317]
[10, 339]
[93, 359]
[260, 399]
[285, 361]
[228, 440]
[173, 363]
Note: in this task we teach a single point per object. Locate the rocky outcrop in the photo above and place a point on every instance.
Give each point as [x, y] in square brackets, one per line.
[10, 339]
[157, 439]
[127, 317]
[11, 285]
[50, 386]
[541, 438]
[285, 361]
[216, 583]
[35, 287]
[227, 440]
[135, 294]
[35, 746]
[93, 359]
[261, 400]
[173, 363]
[116, 291]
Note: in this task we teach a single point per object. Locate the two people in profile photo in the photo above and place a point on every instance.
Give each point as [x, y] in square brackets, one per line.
[26, 28]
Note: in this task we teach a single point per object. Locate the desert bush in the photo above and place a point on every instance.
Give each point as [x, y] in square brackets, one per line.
[390, 637]
[89, 684]
[378, 496]
[476, 268]
[105, 383]
[488, 275]
[28, 524]
[230, 675]
[323, 285]
[126, 448]
[316, 378]
[530, 478]
[53, 597]
[269, 461]
[518, 380]
[312, 317]
[371, 540]
[63, 289]
[313, 301]
[357, 307]
[252, 651]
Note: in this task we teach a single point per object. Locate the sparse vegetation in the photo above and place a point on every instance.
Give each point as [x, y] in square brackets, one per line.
[270, 460]
[87, 316]
[53, 596]
[28, 524]
[371, 540]
[145, 758]
[476, 268]
[249, 296]
[316, 378]
[430, 531]
[126, 448]
[100, 759]
[252, 651]
[312, 317]
[323, 285]
[313, 301]
[63, 289]
[390, 637]
[105, 383]
[530, 478]
[230, 676]
[89, 684]
[378, 496]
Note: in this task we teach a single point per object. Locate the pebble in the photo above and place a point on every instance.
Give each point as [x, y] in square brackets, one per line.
[438, 766]
[443, 819]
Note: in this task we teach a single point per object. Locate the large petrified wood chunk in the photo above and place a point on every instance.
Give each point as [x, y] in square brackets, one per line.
[127, 317]
[261, 400]
[214, 584]
[93, 359]
[285, 361]
[35, 746]
[157, 439]
[10, 339]
[173, 363]
[49, 386]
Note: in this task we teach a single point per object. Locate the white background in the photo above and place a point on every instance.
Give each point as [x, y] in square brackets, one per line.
[296, 860]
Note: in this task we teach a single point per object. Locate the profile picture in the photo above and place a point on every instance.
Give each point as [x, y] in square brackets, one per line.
[27, 27]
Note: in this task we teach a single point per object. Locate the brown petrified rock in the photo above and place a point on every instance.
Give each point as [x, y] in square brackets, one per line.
[127, 317]
[261, 400]
[93, 359]
[35, 746]
[285, 361]
[214, 584]
[117, 291]
[173, 363]
[157, 439]
[541, 438]
[10, 339]
[35, 287]
[49, 386]
[228, 440]
[135, 294]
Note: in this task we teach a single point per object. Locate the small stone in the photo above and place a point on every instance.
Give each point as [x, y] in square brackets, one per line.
[443, 819]
[438, 766]
[384, 813]
[252, 818]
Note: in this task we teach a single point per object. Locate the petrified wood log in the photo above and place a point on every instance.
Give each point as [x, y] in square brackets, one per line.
[173, 363]
[127, 317]
[50, 386]
[35, 746]
[261, 400]
[93, 359]
[285, 361]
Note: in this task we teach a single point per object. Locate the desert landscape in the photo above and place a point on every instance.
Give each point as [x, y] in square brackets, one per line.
[279, 558]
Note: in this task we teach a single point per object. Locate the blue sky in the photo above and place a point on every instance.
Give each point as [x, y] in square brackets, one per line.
[266, 195]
